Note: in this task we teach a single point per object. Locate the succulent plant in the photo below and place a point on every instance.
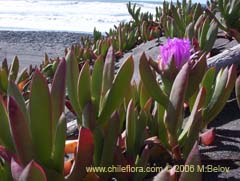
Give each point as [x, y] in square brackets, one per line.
[229, 21]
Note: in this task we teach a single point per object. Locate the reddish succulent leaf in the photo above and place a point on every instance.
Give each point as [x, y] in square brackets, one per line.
[84, 155]
[6, 154]
[33, 171]
[142, 162]
[207, 138]
[20, 132]
[16, 169]
[173, 116]
[193, 160]
[237, 90]
[58, 92]
[69, 106]
[164, 175]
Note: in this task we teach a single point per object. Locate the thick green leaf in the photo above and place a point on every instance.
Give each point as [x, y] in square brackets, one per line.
[14, 69]
[84, 91]
[14, 92]
[41, 118]
[108, 71]
[84, 155]
[20, 132]
[110, 142]
[140, 125]
[88, 116]
[5, 134]
[23, 75]
[196, 75]
[98, 145]
[237, 91]
[33, 171]
[150, 82]
[207, 82]
[58, 93]
[144, 96]
[58, 149]
[97, 82]
[173, 117]
[199, 103]
[118, 90]
[193, 160]
[211, 36]
[72, 81]
[142, 163]
[223, 89]
[162, 132]
[204, 31]
[5, 65]
[130, 128]
[3, 80]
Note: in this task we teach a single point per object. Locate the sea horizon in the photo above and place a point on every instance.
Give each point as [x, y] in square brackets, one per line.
[77, 16]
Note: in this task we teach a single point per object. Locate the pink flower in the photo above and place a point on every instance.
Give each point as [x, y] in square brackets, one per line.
[178, 48]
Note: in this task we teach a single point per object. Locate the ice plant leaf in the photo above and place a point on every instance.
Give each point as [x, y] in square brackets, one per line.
[72, 79]
[84, 92]
[237, 91]
[194, 160]
[144, 96]
[58, 148]
[164, 175]
[58, 93]
[84, 155]
[224, 86]
[208, 137]
[150, 82]
[14, 69]
[191, 129]
[88, 116]
[196, 75]
[20, 132]
[130, 128]
[211, 36]
[108, 71]
[33, 171]
[16, 169]
[3, 80]
[110, 141]
[41, 118]
[14, 92]
[5, 135]
[207, 82]
[118, 90]
[97, 82]
[142, 162]
[173, 116]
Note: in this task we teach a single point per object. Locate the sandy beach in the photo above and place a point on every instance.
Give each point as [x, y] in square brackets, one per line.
[30, 46]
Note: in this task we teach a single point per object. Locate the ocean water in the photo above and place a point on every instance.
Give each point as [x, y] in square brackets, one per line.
[68, 15]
